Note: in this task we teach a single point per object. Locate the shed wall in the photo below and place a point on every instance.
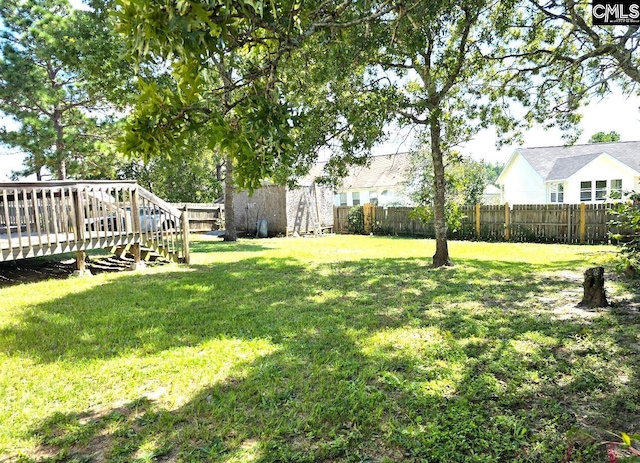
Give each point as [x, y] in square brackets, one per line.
[309, 209]
[268, 203]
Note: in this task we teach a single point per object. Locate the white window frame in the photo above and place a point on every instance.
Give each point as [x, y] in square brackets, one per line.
[586, 187]
[600, 190]
[355, 198]
[343, 199]
[617, 190]
[556, 192]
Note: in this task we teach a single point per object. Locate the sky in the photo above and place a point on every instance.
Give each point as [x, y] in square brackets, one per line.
[614, 113]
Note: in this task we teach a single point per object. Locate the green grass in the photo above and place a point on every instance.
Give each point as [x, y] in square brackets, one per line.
[336, 349]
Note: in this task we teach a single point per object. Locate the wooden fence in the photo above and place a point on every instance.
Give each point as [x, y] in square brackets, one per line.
[563, 223]
[203, 216]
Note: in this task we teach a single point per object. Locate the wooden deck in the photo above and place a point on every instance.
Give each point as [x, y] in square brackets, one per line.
[46, 218]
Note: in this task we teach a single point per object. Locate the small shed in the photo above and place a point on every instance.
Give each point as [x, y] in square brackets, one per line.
[307, 208]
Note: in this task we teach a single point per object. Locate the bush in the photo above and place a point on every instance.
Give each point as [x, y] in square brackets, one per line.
[628, 220]
[355, 220]
[453, 216]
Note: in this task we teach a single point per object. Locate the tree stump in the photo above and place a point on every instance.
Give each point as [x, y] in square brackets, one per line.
[594, 293]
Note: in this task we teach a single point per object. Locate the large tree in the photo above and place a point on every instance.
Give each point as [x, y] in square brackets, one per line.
[60, 74]
[231, 69]
[446, 62]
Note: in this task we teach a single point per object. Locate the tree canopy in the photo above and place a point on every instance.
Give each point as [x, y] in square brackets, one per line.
[60, 76]
[604, 137]
[227, 62]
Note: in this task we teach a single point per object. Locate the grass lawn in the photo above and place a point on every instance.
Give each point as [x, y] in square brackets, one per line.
[336, 349]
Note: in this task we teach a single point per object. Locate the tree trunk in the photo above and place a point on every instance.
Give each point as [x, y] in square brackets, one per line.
[231, 234]
[441, 257]
[594, 293]
[60, 156]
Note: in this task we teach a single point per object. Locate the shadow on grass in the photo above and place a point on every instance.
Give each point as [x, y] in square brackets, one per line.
[375, 360]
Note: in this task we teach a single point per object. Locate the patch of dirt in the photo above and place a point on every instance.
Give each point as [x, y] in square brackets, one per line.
[39, 269]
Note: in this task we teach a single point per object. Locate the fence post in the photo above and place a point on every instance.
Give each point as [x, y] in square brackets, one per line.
[366, 211]
[477, 220]
[507, 222]
[583, 222]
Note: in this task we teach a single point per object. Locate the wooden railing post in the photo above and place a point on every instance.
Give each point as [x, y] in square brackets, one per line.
[507, 222]
[78, 210]
[477, 220]
[184, 218]
[135, 211]
[583, 223]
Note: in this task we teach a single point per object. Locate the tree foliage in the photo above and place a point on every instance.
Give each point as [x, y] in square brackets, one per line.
[493, 171]
[465, 181]
[627, 220]
[594, 56]
[454, 68]
[228, 63]
[192, 176]
[60, 75]
[604, 137]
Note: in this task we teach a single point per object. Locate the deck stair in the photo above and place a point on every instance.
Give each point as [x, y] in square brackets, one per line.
[46, 218]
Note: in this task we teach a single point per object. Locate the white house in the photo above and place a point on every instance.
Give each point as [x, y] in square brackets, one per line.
[382, 182]
[570, 174]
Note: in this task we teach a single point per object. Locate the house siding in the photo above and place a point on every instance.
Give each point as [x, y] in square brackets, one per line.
[521, 184]
[391, 197]
[602, 168]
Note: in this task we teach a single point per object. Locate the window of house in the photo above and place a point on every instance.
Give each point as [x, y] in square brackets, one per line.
[601, 190]
[585, 191]
[616, 188]
[355, 197]
[343, 199]
[373, 197]
[557, 193]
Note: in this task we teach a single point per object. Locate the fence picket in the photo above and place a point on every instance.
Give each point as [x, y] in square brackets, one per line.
[552, 223]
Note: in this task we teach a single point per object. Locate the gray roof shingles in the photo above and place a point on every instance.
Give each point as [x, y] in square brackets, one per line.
[383, 171]
[386, 171]
[560, 162]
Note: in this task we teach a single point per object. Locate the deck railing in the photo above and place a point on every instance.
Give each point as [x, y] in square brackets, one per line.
[45, 218]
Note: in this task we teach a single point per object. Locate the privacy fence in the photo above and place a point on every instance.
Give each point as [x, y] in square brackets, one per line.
[564, 223]
[203, 217]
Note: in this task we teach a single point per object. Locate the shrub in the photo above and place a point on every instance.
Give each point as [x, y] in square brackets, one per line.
[453, 215]
[627, 219]
[355, 220]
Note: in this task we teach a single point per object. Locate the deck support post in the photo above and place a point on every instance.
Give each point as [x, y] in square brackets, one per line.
[81, 265]
[137, 260]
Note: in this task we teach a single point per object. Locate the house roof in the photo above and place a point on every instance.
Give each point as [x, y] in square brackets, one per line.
[560, 162]
[385, 171]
